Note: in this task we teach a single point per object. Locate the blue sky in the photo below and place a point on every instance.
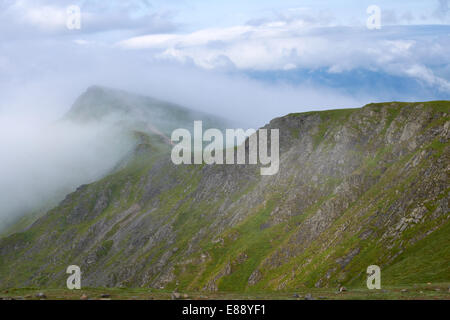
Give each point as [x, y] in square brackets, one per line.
[225, 57]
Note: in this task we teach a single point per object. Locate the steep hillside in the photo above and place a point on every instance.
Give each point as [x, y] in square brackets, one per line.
[355, 187]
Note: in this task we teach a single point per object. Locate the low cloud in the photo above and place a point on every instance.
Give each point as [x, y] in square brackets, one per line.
[40, 163]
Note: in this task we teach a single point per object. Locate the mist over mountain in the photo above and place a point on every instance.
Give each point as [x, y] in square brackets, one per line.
[42, 162]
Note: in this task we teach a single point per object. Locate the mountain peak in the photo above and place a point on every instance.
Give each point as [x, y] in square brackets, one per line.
[98, 103]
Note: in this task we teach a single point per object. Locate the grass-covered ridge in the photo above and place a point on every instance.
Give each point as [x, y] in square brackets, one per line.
[356, 187]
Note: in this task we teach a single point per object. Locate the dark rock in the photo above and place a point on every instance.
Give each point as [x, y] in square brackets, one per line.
[344, 261]
[254, 277]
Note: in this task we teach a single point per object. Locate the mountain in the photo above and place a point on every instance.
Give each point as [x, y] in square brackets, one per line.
[101, 127]
[136, 111]
[356, 187]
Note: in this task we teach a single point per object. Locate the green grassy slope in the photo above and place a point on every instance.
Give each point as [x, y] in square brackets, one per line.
[356, 187]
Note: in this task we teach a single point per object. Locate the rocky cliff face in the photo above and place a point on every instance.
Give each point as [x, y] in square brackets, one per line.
[356, 187]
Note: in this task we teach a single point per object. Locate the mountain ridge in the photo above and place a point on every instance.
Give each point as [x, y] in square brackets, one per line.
[356, 187]
[100, 102]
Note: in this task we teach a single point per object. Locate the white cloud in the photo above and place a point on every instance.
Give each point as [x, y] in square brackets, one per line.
[426, 75]
[43, 18]
[283, 45]
[26, 13]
